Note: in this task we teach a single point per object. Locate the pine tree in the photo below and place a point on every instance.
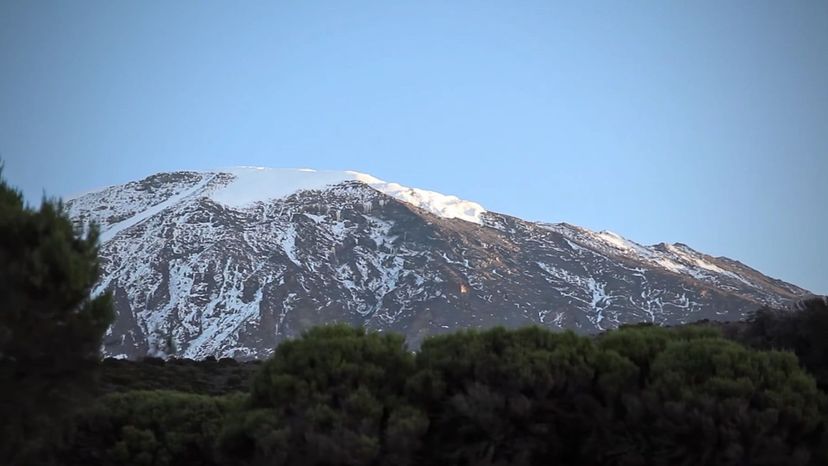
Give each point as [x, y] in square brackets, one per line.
[50, 326]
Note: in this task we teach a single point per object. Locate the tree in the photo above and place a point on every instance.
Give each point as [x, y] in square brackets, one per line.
[641, 343]
[706, 400]
[718, 402]
[521, 397]
[50, 326]
[802, 331]
[150, 428]
[635, 396]
[335, 396]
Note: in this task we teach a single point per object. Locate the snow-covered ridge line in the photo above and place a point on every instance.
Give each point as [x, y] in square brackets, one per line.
[258, 184]
[120, 207]
[676, 258]
[110, 231]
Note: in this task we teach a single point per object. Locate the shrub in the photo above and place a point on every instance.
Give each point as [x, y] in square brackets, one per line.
[720, 403]
[334, 396]
[802, 331]
[150, 428]
[528, 396]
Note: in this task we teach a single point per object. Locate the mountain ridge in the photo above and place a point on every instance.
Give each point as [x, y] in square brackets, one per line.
[191, 266]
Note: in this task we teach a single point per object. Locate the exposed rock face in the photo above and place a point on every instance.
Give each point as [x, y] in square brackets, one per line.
[198, 269]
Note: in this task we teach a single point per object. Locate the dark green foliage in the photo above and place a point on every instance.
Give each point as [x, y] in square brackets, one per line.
[805, 332]
[521, 397]
[641, 395]
[50, 328]
[641, 343]
[207, 377]
[327, 363]
[335, 396]
[150, 428]
[706, 400]
[720, 403]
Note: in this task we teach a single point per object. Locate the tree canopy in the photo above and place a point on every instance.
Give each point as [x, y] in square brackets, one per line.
[50, 326]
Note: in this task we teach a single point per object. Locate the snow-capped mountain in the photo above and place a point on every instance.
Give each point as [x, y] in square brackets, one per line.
[230, 262]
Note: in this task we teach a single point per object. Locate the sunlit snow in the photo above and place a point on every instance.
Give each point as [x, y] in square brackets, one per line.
[259, 184]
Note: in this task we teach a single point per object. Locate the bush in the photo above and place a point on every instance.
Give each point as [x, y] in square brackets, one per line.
[343, 396]
[521, 397]
[639, 395]
[150, 428]
[802, 331]
[200, 377]
[642, 343]
[716, 402]
[334, 396]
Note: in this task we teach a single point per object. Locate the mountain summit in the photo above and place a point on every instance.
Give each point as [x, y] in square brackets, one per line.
[230, 262]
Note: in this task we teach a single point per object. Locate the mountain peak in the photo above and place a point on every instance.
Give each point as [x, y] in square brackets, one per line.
[261, 184]
[243, 187]
[249, 185]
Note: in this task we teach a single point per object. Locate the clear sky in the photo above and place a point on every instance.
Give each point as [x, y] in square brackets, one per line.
[697, 122]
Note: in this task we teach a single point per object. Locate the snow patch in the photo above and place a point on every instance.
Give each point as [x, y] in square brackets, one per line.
[675, 258]
[434, 202]
[258, 184]
[112, 230]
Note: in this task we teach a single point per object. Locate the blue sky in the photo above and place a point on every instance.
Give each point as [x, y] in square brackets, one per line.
[699, 122]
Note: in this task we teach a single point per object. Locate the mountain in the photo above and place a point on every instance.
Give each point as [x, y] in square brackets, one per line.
[230, 262]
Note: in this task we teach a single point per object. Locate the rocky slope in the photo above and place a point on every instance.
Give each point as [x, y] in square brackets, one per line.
[230, 262]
